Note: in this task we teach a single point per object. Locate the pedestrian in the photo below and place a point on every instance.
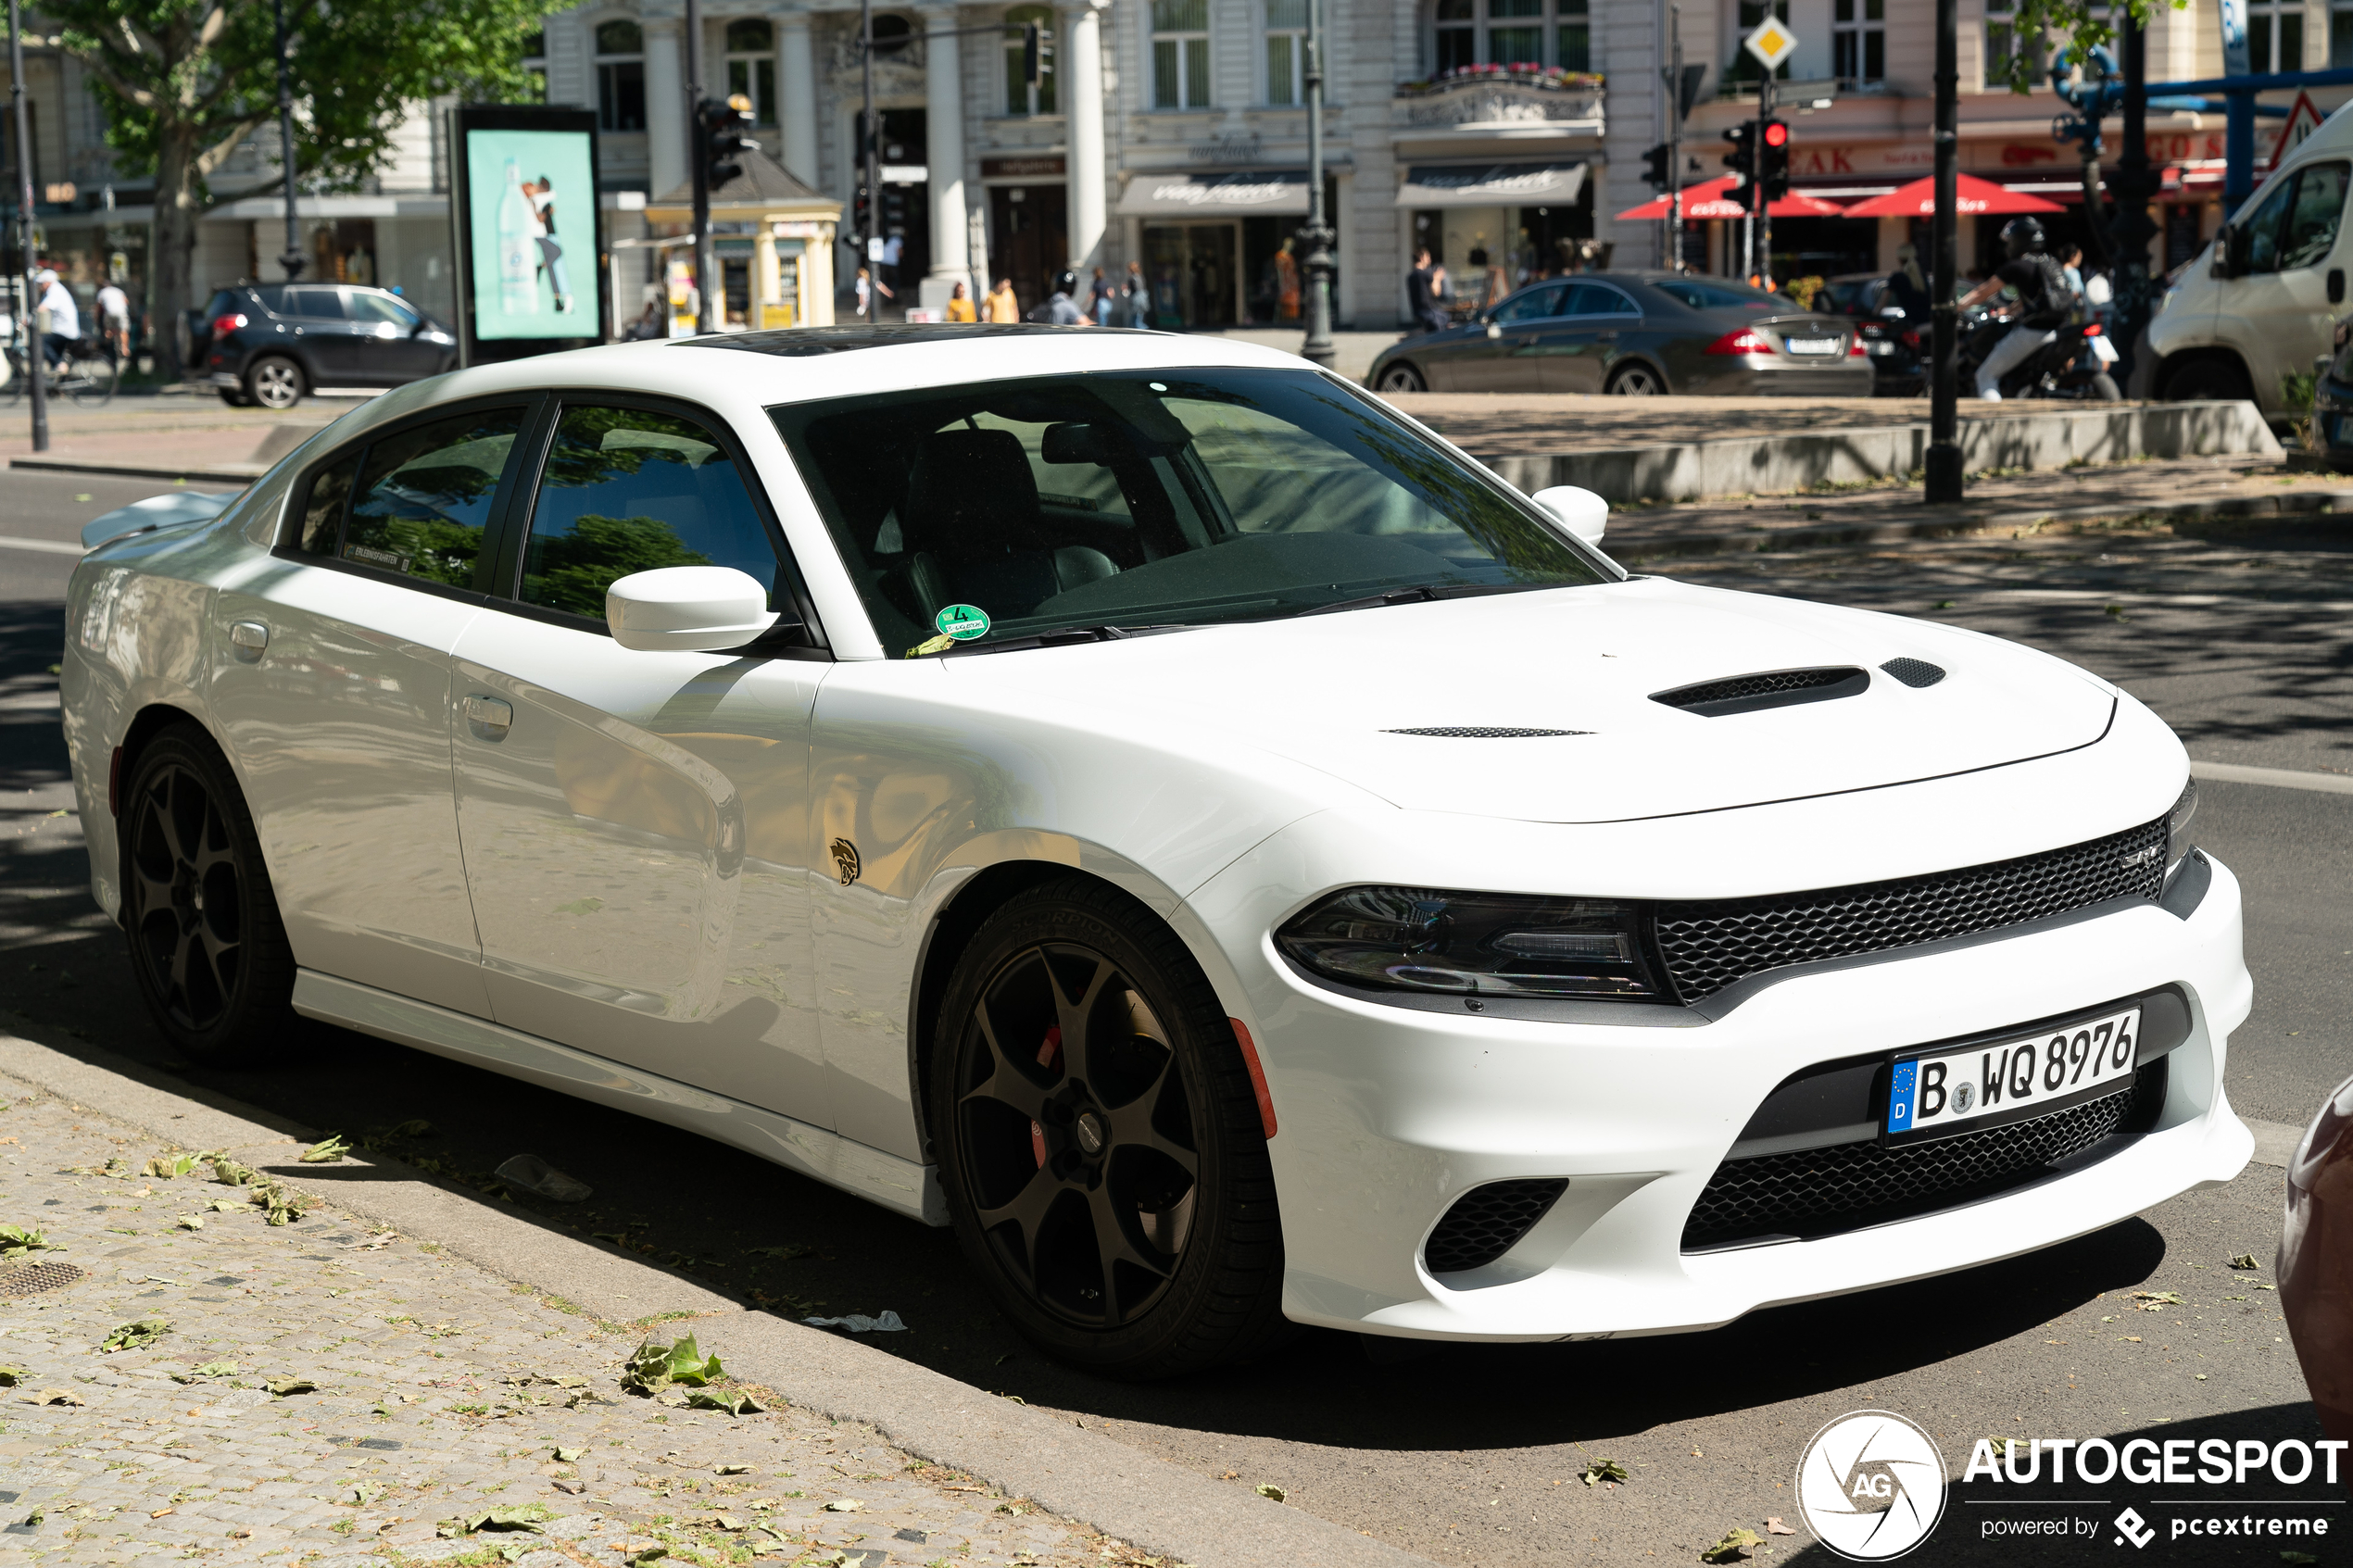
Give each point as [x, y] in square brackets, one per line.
[1139, 298]
[114, 317]
[1060, 310]
[1002, 306]
[893, 248]
[960, 304]
[1423, 287]
[2043, 296]
[2071, 269]
[868, 287]
[1102, 300]
[1907, 288]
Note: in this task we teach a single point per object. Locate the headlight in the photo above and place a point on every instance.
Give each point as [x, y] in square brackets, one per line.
[1463, 944]
[2177, 826]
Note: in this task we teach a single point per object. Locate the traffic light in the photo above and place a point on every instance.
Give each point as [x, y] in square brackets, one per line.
[1772, 154]
[1741, 161]
[862, 213]
[725, 124]
[1655, 167]
[1033, 53]
[893, 210]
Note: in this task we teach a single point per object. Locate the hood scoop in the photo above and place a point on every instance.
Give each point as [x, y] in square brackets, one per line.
[1771, 689]
[1914, 672]
[1483, 732]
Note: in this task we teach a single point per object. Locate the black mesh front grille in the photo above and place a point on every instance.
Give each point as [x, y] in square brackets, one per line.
[1824, 1191]
[1480, 731]
[1488, 1222]
[1708, 946]
[1735, 687]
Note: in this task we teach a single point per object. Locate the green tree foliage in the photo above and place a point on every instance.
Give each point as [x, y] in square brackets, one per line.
[181, 83]
[2073, 25]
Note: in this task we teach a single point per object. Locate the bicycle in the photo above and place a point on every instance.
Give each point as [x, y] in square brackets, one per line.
[89, 374]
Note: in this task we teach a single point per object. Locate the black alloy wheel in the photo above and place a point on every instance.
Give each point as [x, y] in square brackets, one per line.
[206, 945]
[1402, 377]
[1101, 1143]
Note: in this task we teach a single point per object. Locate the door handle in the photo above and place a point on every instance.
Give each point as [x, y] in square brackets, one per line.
[1609, 336]
[248, 638]
[488, 717]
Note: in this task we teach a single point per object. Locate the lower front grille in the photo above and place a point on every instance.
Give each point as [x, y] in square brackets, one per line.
[1820, 1192]
[1488, 1222]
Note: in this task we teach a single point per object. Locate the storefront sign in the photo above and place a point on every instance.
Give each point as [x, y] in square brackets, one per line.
[1021, 168]
[1492, 185]
[1271, 191]
[528, 221]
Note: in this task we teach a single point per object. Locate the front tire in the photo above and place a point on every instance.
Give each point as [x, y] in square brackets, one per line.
[2210, 380]
[275, 381]
[1402, 377]
[1099, 1141]
[207, 948]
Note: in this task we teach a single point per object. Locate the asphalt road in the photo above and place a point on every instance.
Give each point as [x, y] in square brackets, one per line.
[1473, 1455]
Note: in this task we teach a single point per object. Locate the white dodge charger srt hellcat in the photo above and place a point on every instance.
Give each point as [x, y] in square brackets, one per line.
[1144, 802]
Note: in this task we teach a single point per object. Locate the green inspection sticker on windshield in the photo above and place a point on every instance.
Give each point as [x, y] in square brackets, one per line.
[963, 622]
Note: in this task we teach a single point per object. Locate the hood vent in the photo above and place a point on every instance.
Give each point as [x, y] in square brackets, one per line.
[1913, 672]
[1480, 731]
[1771, 688]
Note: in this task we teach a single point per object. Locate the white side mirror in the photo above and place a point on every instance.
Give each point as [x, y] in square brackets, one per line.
[1586, 513]
[688, 609]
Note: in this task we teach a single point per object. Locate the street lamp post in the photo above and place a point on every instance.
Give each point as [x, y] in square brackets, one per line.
[292, 259]
[698, 156]
[1316, 234]
[1675, 143]
[868, 137]
[34, 366]
[1944, 407]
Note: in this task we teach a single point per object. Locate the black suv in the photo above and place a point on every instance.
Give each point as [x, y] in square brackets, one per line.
[271, 342]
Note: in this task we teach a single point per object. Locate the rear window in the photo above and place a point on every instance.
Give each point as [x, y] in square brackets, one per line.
[1721, 297]
[1177, 497]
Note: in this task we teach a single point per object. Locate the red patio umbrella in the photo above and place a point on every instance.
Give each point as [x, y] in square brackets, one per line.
[1711, 198]
[1971, 196]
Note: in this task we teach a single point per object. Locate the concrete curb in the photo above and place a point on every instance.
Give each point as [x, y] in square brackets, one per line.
[1064, 1468]
[1637, 546]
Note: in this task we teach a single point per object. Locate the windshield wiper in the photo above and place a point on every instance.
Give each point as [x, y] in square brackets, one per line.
[1421, 593]
[1060, 637]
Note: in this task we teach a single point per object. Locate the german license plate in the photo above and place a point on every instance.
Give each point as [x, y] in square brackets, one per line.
[1812, 344]
[1986, 1085]
[2104, 351]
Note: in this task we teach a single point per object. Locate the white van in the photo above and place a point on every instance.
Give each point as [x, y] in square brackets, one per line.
[2262, 300]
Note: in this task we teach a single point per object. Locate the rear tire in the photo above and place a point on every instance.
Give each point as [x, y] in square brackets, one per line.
[1100, 1142]
[1402, 377]
[2105, 390]
[207, 948]
[275, 382]
[234, 398]
[1635, 381]
[2203, 381]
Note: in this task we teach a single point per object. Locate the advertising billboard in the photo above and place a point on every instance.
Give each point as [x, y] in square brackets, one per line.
[527, 230]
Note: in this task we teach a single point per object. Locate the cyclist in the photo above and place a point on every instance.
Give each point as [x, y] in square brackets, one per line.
[64, 335]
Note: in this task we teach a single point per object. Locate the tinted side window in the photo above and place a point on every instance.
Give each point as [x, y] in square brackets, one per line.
[319, 526]
[316, 304]
[274, 300]
[1533, 306]
[425, 496]
[1598, 300]
[627, 490]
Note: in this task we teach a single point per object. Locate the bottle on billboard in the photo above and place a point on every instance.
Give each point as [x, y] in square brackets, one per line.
[518, 288]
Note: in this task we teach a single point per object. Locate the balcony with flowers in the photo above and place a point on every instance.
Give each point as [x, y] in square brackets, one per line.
[1499, 97]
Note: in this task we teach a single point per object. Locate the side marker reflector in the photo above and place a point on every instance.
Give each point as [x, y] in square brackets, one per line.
[1257, 1076]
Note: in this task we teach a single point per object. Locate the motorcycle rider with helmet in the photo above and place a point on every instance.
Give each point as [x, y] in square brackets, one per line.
[2043, 296]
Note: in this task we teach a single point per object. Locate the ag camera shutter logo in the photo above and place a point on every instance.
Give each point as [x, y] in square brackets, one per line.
[1871, 1485]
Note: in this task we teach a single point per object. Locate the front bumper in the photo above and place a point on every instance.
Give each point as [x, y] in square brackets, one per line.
[1390, 1114]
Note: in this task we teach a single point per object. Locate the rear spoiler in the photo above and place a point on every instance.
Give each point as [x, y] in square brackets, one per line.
[176, 510]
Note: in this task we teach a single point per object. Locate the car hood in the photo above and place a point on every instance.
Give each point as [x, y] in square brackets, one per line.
[1333, 691]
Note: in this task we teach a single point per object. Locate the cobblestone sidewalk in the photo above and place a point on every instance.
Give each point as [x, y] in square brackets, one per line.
[424, 1391]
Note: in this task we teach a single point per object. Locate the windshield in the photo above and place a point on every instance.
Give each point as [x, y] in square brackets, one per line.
[1010, 508]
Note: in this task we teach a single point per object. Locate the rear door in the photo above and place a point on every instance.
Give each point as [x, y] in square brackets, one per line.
[2277, 310]
[330, 679]
[324, 330]
[1577, 349]
[636, 824]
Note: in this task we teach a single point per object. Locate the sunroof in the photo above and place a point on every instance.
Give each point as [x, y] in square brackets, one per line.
[796, 342]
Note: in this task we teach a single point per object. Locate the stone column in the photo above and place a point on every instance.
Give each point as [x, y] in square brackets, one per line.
[1078, 58]
[797, 97]
[666, 138]
[944, 119]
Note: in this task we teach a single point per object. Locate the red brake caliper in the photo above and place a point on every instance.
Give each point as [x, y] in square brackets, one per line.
[1047, 1054]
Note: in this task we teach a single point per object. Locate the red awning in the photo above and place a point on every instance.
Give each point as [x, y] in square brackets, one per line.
[1710, 199]
[1971, 195]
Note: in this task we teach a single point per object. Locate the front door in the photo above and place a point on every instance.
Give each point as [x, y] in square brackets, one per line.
[1579, 346]
[391, 352]
[2277, 310]
[1509, 360]
[331, 682]
[634, 822]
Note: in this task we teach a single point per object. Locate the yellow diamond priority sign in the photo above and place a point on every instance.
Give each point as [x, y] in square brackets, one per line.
[1772, 43]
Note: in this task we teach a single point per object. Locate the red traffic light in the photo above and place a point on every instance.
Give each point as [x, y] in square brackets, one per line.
[1776, 133]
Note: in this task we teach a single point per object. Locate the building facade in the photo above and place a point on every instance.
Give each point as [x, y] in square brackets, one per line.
[1503, 135]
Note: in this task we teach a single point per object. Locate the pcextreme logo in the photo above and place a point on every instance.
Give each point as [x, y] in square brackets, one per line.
[1871, 1485]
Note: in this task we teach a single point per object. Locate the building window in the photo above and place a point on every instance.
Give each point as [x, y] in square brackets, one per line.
[1858, 41]
[2275, 35]
[1287, 52]
[1528, 34]
[534, 66]
[620, 76]
[1021, 98]
[1180, 54]
[2340, 35]
[752, 67]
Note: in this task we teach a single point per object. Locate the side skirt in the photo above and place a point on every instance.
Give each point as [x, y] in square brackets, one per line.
[898, 1184]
